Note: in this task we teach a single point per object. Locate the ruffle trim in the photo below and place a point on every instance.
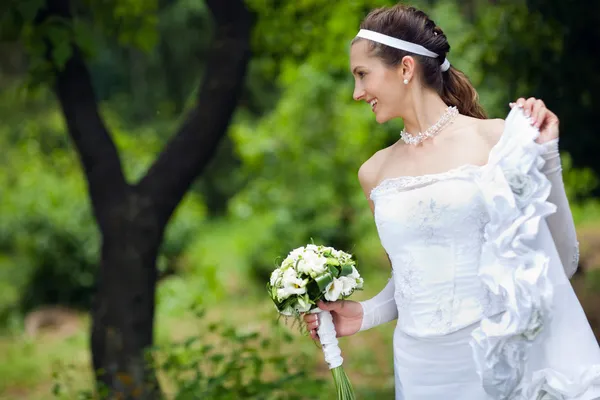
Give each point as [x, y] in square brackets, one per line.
[516, 193]
[554, 385]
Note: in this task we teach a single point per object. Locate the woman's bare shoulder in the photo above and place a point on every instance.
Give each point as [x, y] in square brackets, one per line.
[491, 130]
[369, 170]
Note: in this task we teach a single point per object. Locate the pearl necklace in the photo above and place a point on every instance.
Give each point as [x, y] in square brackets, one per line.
[449, 115]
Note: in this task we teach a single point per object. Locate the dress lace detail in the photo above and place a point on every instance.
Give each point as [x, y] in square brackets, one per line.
[407, 278]
[428, 214]
[441, 317]
[401, 183]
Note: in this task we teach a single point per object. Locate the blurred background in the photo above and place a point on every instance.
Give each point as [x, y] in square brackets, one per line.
[283, 173]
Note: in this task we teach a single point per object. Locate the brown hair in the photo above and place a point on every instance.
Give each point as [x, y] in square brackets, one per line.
[412, 25]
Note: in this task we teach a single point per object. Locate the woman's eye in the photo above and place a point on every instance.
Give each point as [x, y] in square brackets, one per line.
[361, 75]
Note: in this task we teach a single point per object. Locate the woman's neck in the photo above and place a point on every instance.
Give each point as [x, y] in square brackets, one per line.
[426, 109]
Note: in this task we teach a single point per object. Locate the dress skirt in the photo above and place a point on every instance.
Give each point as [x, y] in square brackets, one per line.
[436, 368]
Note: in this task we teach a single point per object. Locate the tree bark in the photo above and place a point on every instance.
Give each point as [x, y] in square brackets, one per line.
[132, 218]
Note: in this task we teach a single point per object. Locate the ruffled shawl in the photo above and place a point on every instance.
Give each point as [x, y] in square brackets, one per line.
[516, 351]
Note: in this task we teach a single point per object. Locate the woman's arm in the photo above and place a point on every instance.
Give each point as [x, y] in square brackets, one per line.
[561, 222]
[382, 307]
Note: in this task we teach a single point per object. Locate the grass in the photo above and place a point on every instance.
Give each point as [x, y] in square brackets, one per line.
[27, 365]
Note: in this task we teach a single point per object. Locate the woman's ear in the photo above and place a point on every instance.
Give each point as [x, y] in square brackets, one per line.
[406, 68]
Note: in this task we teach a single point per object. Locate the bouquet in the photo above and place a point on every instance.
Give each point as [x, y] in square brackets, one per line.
[309, 274]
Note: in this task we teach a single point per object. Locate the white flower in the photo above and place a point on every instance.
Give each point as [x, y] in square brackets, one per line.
[312, 264]
[334, 290]
[276, 276]
[356, 276]
[292, 258]
[296, 253]
[521, 185]
[312, 248]
[287, 263]
[282, 294]
[289, 275]
[292, 284]
[302, 305]
[348, 285]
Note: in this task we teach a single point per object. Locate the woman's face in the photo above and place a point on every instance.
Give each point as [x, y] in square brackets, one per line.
[377, 84]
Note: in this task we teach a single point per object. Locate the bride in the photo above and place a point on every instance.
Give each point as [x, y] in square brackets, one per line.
[473, 215]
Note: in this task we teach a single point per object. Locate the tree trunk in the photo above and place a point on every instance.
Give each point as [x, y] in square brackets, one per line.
[132, 219]
[123, 310]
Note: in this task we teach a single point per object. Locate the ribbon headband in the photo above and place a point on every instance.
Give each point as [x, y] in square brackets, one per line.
[401, 45]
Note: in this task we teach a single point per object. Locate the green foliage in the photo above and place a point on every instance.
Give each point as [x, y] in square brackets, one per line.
[222, 362]
[49, 243]
[131, 22]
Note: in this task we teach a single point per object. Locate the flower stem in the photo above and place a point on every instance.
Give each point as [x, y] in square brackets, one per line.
[342, 384]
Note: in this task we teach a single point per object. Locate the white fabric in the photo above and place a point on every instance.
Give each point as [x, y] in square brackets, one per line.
[480, 279]
[401, 45]
[328, 339]
[380, 309]
[561, 222]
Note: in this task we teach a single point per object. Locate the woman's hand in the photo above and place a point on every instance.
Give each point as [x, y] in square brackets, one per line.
[347, 317]
[542, 118]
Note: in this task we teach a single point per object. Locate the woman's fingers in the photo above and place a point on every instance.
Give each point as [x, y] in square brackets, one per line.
[312, 323]
[532, 107]
[537, 112]
[308, 318]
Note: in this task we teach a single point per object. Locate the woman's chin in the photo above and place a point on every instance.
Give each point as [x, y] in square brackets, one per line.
[381, 118]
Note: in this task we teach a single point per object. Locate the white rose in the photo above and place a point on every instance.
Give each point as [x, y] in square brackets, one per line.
[356, 276]
[282, 294]
[296, 253]
[312, 248]
[287, 263]
[348, 285]
[312, 264]
[276, 276]
[289, 274]
[334, 290]
[292, 258]
[521, 185]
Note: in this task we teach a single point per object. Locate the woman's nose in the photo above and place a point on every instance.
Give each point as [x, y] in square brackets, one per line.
[358, 94]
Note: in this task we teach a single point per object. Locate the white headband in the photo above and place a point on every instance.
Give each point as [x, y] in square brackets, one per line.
[402, 45]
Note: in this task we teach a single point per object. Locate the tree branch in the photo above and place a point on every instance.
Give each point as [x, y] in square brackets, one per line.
[97, 151]
[191, 149]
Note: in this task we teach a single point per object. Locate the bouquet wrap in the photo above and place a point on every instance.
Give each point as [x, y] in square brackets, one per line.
[328, 339]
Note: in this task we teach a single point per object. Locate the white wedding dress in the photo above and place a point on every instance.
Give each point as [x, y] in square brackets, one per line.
[481, 259]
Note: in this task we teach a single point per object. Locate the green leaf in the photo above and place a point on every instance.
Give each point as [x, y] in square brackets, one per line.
[332, 261]
[334, 271]
[323, 280]
[346, 270]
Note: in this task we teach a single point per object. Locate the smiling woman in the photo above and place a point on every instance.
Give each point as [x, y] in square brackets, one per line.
[476, 223]
[389, 62]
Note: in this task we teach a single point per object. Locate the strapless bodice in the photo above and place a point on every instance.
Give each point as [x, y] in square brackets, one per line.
[432, 228]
